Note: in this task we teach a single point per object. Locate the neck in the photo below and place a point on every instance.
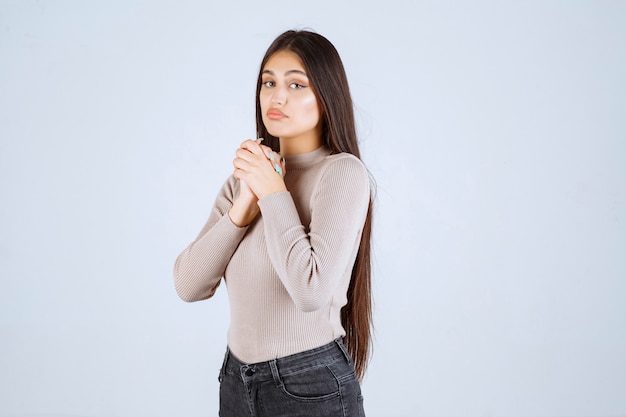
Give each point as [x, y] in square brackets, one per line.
[301, 144]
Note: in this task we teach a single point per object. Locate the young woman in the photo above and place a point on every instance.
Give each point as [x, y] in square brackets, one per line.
[290, 234]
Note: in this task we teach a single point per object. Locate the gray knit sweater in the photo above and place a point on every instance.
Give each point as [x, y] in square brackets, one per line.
[288, 272]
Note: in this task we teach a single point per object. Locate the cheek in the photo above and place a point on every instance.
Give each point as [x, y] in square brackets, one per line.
[310, 105]
[263, 100]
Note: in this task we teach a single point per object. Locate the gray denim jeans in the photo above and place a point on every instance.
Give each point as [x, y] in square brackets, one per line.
[317, 382]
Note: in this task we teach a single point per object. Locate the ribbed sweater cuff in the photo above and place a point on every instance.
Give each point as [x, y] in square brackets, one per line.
[279, 210]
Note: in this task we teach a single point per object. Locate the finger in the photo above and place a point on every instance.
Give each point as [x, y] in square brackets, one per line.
[244, 154]
[246, 142]
[248, 156]
[279, 169]
[241, 174]
[266, 150]
[244, 163]
[252, 146]
[278, 163]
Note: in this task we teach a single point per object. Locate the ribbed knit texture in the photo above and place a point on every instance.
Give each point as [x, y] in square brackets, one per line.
[288, 272]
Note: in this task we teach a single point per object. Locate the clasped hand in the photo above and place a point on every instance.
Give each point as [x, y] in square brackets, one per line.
[259, 170]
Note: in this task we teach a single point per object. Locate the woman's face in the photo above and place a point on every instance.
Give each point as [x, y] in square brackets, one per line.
[288, 105]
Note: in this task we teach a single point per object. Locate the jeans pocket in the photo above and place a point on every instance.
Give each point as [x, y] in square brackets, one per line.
[312, 384]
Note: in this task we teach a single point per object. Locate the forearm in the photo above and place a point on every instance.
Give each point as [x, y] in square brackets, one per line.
[200, 267]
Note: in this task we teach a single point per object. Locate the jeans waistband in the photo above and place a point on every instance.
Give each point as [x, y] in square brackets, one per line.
[329, 353]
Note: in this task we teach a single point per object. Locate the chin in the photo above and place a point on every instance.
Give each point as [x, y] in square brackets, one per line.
[277, 133]
[271, 128]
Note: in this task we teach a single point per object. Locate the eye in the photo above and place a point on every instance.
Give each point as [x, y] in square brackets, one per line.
[268, 83]
[296, 86]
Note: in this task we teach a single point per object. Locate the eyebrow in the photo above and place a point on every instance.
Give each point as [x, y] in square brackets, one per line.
[293, 71]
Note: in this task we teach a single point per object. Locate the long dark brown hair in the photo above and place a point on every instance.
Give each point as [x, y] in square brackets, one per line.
[329, 83]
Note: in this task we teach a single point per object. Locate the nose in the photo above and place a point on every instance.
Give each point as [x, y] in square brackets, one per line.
[279, 95]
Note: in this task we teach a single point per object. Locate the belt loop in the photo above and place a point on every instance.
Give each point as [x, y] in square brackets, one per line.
[344, 350]
[275, 374]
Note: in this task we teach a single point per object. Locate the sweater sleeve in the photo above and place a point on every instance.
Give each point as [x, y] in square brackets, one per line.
[198, 270]
[311, 264]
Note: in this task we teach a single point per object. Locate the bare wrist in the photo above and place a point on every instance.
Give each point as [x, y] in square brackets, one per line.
[243, 216]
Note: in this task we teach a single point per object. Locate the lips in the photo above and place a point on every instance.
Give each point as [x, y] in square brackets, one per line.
[274, 114]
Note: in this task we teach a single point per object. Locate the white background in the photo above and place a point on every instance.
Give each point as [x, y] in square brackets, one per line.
[496, 134]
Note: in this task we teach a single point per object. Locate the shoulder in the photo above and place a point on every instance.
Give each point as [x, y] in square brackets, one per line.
[344, 171]
[344, 162]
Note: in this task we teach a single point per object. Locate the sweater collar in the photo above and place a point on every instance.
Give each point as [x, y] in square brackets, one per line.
[308, 159]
